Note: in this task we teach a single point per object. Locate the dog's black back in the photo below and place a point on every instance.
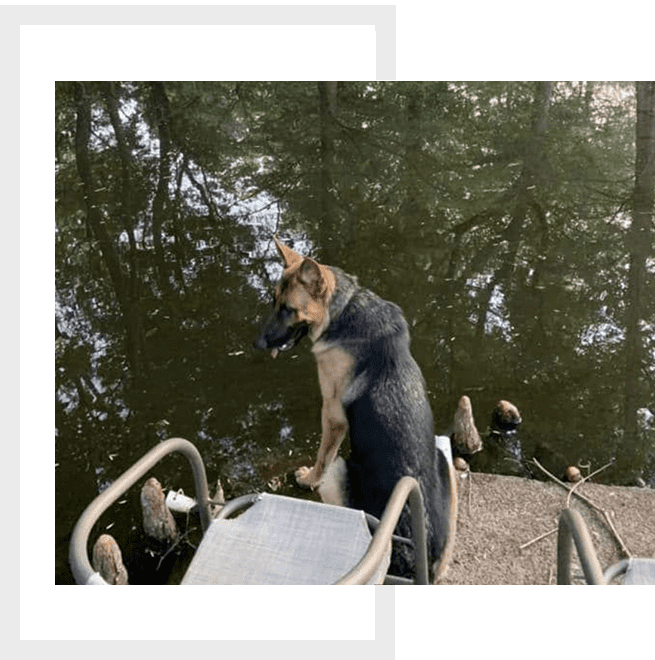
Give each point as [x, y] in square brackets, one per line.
[389, 416]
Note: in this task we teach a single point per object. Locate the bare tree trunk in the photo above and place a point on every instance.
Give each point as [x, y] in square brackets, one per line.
[178, 231]
[589, 94]
[163, 117]
[410, 206]
[96, 220]
[535, 171]
[128, 201]
[639, 242]
[327, 107]
[94, 214]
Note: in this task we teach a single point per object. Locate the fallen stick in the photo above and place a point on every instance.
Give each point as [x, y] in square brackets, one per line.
[572, 489]
[176, 543]
[543, 536]
[604, 513]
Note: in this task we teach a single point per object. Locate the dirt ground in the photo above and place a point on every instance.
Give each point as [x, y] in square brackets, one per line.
[498, 514]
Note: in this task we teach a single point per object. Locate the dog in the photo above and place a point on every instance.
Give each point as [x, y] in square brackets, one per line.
[373, 390]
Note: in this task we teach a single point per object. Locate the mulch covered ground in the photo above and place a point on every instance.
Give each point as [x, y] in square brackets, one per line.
[500, 514]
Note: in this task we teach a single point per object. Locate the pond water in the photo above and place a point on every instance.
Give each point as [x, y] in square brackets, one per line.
[495, 214]
[255, 419]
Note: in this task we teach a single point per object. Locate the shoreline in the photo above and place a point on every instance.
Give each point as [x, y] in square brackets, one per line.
[501, 519]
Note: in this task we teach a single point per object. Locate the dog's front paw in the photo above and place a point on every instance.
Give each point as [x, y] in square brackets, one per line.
[306, 477]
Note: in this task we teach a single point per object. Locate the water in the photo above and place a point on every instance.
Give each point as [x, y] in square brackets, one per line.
[255, 419]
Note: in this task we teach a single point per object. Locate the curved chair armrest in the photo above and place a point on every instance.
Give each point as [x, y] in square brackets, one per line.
[406, 489]
[237, 505]
[78, 556]
[572, 529]
[636, 570]
[615, 570]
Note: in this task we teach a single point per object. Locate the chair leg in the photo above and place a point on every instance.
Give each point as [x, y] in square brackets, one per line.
[572, 529]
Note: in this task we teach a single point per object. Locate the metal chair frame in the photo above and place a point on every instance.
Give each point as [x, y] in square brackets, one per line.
[572, 530]
[406, 490]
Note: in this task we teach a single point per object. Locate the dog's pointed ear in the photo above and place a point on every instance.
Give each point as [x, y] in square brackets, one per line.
[311, 276]
[289, 257]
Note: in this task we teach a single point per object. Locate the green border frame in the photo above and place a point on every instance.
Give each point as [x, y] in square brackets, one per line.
[50, 611]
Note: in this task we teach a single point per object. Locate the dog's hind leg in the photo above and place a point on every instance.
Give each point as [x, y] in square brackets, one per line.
[333, 488]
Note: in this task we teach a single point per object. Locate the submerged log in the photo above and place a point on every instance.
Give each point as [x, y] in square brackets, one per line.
[505, 417]
[465, 437]
[108, 560]
[158, 521]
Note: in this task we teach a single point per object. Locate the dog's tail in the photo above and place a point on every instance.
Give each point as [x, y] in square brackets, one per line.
[447, 475]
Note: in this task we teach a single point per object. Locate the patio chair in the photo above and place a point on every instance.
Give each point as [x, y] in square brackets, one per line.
[275, 539]
[572, 530]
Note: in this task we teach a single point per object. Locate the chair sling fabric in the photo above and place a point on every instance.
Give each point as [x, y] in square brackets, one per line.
[640, 571]
[283, 540]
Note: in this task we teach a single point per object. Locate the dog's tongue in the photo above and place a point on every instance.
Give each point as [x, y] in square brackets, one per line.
[274, 353]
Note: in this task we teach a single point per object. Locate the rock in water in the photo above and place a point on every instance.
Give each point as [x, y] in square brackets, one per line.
[158, 521]
[108, 560]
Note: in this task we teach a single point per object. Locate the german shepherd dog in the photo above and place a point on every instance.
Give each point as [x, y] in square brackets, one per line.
[373, 389]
